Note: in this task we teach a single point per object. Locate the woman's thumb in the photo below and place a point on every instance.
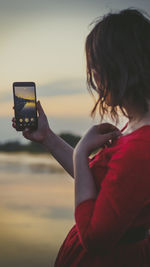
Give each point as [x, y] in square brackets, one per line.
[40, 109]
[116, 133]
[113, 134]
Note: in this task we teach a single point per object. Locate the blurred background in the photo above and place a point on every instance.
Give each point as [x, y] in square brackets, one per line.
[43, 41]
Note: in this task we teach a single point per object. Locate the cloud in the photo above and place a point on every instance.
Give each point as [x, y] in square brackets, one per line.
[68, 106]
[63, 87]
[31, 7]
[17, 14]
[65, 103]
[56, 88]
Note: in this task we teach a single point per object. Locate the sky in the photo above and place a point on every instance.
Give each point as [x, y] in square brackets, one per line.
[25, 92]
[43, 41]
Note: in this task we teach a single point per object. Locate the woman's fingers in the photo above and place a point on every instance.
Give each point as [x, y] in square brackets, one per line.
[13, 119]
[14, 125]
[40, 109]
[13, 122]
[107, 127]
[25, 133]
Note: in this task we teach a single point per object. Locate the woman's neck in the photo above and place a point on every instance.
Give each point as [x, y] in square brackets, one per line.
[133, 125]
[137, 121]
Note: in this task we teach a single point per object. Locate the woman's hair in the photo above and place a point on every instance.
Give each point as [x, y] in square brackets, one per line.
[118, 50]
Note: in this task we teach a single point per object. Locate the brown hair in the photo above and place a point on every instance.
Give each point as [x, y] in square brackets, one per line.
[118, 50]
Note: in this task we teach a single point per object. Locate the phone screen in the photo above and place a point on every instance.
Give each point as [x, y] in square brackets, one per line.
[25, 105]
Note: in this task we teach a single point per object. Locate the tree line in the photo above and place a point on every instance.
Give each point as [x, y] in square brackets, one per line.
[34, 147]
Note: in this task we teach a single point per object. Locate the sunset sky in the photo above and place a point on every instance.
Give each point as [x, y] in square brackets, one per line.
[43, 41]
[25, 92]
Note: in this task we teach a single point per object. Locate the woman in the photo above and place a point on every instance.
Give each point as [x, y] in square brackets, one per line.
[112, 189]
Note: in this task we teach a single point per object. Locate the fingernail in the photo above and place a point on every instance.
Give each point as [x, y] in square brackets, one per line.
[118, 133]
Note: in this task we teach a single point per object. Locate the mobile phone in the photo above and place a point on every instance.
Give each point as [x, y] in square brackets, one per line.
[25, 107]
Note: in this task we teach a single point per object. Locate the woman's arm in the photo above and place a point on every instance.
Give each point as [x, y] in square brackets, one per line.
[92, 214]
[60, 150]
[84, 182]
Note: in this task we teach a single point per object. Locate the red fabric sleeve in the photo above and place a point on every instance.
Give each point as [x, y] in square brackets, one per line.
[102, 222]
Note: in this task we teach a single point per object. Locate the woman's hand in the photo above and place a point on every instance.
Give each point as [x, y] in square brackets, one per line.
[43, 129]
[96, 137]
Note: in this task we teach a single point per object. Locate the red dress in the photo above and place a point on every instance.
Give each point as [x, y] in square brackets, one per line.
[122, 177]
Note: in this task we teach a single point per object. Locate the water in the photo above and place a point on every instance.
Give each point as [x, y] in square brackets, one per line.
[37, 209]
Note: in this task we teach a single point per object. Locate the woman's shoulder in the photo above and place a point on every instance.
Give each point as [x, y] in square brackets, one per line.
[131, 147]
[131, 151]
[139, 134]
[137, 141]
